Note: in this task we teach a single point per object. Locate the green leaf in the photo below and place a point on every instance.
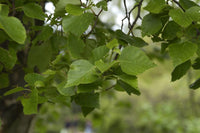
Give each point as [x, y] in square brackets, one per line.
[14, 28]
[4, 80]
[4, 10]
[151, 24]
[194, 13]
[187, 4]
[195, 85]
[60, 6]
[18, 89]
[134, 61]
[181, 52]
[131, 81]
[112, 44]
[135, 41]
[54, 96]
[30, 104]
[86, 110]
[155, 6]
[88, 100]
[170, 30]
[81, 72]
[180, 17]
[33, 10]
[75, 46]
[72, 23]
[74, 9]
[99, 52]
[40, 56]
[129, 89]
[32, 78]
[196, 64]
[102, 4]
[66, 91]
[180, 70]
[104, 66]
[88, 88]
[8, 58]
[44, 35]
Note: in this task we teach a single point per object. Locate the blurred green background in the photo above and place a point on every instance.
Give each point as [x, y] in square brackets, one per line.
[162, 107]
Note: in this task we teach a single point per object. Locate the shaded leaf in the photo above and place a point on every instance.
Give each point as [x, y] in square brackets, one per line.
[4, 80]
[17, 89]
[170, 30]
[4, 9]
[180, 70]
[75, 46]
[40, 56]
[88, 100]
[131, 81]
[151, 24]
[135, 41]
[44, 35]
[196, 65]
[32, 78]
[54, 96]
[88, 88]
[8, 58]
[195, 85]
[86, 110]
[66, 91]
[129, 89]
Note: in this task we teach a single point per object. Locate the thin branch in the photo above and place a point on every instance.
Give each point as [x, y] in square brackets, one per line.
[95, 23]
[179, 5]
[137, 17]
[81, 3]
[107, 89]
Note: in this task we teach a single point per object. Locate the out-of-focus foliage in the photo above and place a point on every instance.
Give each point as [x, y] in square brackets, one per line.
[72, 56]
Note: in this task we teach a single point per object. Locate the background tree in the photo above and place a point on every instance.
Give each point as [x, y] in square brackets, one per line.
[71, 56]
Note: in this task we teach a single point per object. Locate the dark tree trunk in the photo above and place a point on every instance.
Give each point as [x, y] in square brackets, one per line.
[11, 110]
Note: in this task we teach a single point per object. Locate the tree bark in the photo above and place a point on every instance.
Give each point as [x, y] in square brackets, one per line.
[11, 110]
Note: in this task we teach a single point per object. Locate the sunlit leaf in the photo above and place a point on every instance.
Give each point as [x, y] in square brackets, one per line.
[181, 52]
[81, 72]
[72, 23]
[33, 10]
[14, 28]
[133, 61]
[30, 104]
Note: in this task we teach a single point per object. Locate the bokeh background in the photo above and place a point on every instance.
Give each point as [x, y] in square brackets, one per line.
[162, 107]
